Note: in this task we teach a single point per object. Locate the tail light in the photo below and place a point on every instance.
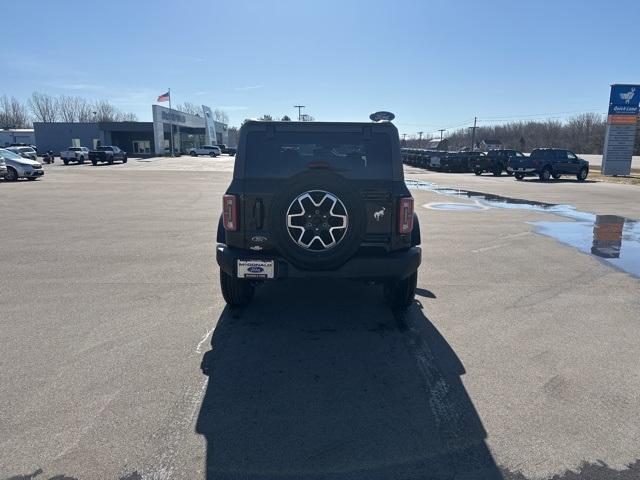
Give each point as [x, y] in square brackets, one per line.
[405, 215]
[230, 212]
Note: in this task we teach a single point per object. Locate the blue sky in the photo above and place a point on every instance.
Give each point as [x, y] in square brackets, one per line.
[435, 64]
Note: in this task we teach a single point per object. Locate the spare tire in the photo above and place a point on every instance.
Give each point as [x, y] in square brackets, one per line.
[318, 221]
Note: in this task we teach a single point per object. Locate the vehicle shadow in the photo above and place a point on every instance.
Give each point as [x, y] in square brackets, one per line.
[559, 180]
[320, 380]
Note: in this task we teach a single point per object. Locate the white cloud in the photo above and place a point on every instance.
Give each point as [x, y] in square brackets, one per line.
[248, 88]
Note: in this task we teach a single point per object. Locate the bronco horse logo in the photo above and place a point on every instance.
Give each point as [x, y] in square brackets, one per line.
[628, 96]
[379, 214]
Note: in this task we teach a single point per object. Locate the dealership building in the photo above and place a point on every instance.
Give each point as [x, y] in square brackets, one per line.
[136, 138]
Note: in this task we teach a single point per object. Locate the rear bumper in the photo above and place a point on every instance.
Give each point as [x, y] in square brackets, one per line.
[395, 265]
[525, 170]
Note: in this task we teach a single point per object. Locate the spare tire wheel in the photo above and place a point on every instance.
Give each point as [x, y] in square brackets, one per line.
[318, 221]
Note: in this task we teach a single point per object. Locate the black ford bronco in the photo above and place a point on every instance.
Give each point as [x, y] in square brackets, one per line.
[318, 199]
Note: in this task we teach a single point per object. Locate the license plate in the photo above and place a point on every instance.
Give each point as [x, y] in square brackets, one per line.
[255, 269]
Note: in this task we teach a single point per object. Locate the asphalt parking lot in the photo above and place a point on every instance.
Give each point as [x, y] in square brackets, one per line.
[519, 360]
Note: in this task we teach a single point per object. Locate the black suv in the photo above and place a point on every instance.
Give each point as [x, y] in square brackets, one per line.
[496, 161]
[318, 199]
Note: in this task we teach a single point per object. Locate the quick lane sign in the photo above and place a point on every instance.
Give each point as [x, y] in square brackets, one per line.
[624, 100]
[620, 137]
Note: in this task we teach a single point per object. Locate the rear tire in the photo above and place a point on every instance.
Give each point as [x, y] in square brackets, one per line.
[400, 294]
[556, 176]
[94, 162]
[110, 161]
[237, 292]
[124, 160]
[193, 154]
[81, 161]
[477, 171]
[519, 176]
[65, 161]
[582, 174]
[497, 173]
[545, 174]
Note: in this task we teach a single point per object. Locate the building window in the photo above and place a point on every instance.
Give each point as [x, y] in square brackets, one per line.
[141, 146]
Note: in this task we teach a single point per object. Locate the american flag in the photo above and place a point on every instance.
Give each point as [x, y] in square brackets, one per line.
[164, 97]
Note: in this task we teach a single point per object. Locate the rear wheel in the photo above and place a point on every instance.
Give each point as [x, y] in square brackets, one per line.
[545, 174]
[65, 161]
[193, 153]
[509, 172]
[582, 174]
[94, 162]
[497, 173]
[556, 176]
[237, 292]
[519, 176]
[400, 294]
[477, 171]
[110, 160]
[124, 160]
[81, 160]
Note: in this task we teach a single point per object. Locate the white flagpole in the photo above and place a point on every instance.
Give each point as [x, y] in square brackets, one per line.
[171, 123]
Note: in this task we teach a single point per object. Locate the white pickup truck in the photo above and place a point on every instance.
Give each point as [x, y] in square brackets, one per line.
[75, 154]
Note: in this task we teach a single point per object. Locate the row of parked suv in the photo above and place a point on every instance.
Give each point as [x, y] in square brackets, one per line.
[546, 163]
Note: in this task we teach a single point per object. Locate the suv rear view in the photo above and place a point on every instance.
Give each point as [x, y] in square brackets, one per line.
[312, 199]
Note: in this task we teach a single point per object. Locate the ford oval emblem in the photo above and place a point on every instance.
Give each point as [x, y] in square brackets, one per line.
[255, 269]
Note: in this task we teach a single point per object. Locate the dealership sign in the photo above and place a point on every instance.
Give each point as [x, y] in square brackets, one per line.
[621, 129]
[209, 125]
[624, 100]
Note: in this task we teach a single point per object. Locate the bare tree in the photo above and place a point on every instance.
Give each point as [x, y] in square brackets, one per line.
[190, 108]
[583, 133]
[85, 111]
[285, 119]
[125, 117]
[43, 107]
[234, 135]
[73, 109]
[220, 116]
[13, 114]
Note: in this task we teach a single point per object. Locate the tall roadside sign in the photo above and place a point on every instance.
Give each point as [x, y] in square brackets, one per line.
[210, 126]
[621, 129]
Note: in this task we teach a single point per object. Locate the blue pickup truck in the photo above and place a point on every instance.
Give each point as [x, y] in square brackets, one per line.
[549, 163]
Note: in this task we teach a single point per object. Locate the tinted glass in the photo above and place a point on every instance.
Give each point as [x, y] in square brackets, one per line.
[10, 154]
[348, 154]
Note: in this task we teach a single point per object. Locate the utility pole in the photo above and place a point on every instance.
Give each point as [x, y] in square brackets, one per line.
[473, 133]
[299, 107]
[441, 130]
[404, 138]
[420, 141]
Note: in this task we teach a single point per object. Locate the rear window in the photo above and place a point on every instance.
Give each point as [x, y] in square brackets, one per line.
[289, 153]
